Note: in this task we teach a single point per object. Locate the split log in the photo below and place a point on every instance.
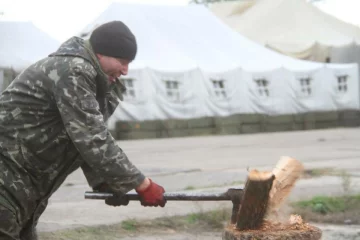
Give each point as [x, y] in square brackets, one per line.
[287, 171]
[255, 200]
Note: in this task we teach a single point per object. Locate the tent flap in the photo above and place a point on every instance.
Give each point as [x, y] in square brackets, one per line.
[292, 27]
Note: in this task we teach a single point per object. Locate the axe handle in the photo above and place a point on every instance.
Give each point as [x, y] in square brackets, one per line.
[168, 196]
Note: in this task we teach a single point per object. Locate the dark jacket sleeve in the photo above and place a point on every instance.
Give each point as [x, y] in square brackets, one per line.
[75, 97]
[91, 177]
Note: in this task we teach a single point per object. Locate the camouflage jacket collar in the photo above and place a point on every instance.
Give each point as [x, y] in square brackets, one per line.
[79, 47]
[118, 87]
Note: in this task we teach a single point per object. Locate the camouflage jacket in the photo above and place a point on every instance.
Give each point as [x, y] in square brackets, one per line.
[52, 121]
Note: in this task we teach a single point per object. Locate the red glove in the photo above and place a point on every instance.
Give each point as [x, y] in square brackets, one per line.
[152, 196]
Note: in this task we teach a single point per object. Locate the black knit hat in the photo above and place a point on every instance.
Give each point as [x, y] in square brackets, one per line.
[114, 39]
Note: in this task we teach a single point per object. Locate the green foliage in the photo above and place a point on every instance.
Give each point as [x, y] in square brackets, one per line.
[325, 205]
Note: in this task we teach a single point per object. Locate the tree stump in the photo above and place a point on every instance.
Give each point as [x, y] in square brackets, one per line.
[272, 231]
[255, 200]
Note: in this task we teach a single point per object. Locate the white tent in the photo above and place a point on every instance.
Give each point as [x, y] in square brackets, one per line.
[292, 27]
[21, 44]
[190, 64]
[345, 11]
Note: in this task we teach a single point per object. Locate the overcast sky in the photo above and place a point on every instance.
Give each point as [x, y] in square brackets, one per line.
[65, 18]
[346, 10]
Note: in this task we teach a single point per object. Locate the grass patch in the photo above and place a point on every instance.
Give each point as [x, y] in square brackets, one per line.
[129, 225]
[211, 221]
[189, 188]
[330, 209]
[325, 205]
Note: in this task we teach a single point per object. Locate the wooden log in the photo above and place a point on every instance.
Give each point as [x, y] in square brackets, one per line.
[255, 200]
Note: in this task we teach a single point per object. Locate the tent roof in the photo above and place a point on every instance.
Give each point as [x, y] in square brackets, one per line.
[178, 38]
[295, 23]
[231, 8]
[21, 44]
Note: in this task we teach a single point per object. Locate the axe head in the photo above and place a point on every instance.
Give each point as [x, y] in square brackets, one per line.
[235, 195]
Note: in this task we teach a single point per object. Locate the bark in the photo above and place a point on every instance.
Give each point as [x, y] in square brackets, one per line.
[255, 200]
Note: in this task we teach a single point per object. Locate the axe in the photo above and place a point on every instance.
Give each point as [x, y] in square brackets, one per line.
[232, 194]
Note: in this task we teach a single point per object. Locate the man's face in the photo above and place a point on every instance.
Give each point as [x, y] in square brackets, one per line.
[113, 67]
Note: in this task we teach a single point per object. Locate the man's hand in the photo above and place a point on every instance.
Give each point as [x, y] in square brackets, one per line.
[117, 201]
[151, 194]
[113, 201]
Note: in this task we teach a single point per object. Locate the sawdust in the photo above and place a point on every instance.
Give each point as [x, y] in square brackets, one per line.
[275, 231]
[295, 223]
[273, 226]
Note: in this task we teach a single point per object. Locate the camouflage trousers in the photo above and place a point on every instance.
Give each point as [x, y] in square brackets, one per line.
[10, 228]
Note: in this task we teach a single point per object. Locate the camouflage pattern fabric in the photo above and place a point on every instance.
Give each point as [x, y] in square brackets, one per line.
[53, 121]
[9, 229]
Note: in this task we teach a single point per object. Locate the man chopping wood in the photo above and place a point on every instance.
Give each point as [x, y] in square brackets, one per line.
[53, 121]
